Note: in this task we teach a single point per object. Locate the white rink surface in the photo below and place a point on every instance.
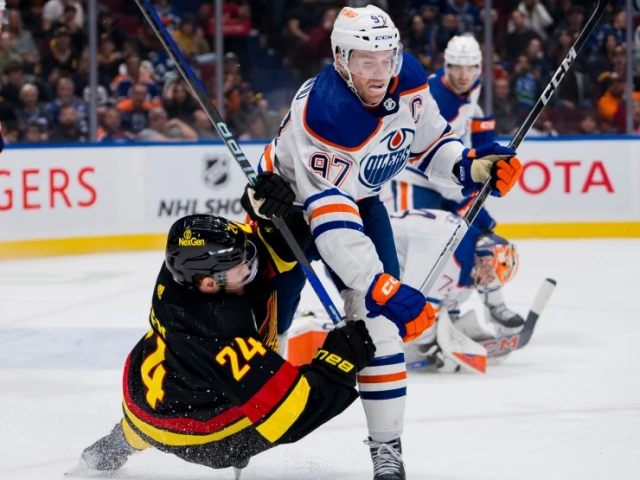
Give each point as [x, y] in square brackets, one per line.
[565, 407]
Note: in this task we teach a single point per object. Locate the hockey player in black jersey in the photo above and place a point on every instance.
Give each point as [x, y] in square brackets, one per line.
[206, 382]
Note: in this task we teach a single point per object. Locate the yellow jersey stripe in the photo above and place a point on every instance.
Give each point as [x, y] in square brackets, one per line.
[178, 439]
[281, 265]
[286, 414]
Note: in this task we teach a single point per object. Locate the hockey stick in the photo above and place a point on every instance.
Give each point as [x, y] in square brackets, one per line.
[498, 347]
[223, 130]
[481, 198]
[501, 346]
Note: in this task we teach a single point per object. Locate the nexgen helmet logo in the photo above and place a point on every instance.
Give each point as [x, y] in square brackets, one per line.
[187, 240]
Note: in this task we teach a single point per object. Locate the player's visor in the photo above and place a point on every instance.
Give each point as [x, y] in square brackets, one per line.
[243, 273]
[376, 65]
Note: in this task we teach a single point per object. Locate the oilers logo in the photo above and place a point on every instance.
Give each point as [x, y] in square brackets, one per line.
[387, 159]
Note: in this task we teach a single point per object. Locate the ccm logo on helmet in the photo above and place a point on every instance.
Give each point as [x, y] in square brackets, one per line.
[187, 240]
[384, 37]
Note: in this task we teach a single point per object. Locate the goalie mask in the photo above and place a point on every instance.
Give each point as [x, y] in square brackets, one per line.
[202, 246]
[496, 262]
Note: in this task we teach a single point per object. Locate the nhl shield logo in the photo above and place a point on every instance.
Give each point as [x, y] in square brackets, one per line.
[216, 171]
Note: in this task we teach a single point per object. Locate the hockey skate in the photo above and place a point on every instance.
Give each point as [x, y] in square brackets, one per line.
[109, 453]
[387, 459]
[505, 320]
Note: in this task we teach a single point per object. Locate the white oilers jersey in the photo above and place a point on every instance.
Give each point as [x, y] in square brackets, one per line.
[464, 114]
[420, 236]
[335, 151]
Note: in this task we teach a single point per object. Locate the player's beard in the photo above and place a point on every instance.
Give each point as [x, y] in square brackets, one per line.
[375, 91]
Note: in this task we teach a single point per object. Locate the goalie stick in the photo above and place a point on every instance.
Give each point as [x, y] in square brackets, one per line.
[223, 130]
[481, 198]
[501, 346]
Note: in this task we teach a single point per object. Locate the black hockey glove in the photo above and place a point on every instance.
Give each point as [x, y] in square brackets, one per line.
[346, 351]
[271, 196]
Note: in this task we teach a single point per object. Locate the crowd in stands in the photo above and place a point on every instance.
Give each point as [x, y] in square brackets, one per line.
[45, 61]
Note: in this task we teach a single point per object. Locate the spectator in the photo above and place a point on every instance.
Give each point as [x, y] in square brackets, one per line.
[109, 59]
[589, 125]
[320, 40]
[81, 79]
[23, 43]
[518, 39]
[121, 85]
[67, 129]
[536, 18]
[506, 108]
[106, 27]
[112, 131]
[190, 40]
[34, 132]
[135, 110]
[240, 120]
[15, 80]
[60, 57]
[445, 32]
[79, 39]
[169, 14]
[467, 13]
[65, 91]
[543, 127]
[617, 28]
[257, 128]
[163, 130]
[147, 41]
[609, 102]
[568, 93]
[7, 53]
[30, 109]
[620, 117]
[537, 60]
[524, 84]
[204, 129]
[54, 10]
[418, 41]
[300, 22]
[178, 102]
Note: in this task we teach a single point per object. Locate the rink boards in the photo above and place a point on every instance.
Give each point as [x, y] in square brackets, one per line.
[83, 199]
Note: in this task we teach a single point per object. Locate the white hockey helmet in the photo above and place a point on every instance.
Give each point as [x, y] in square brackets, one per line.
[463, 50]
[370, 29]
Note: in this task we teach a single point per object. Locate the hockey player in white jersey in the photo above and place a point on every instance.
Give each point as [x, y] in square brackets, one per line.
[483, 261]
[350, 130]
[456, 90]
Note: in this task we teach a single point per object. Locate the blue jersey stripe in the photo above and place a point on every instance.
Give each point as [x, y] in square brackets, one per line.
[325, 193]
[389, 360]
[384, 394]
[427, 160]
[337, 224]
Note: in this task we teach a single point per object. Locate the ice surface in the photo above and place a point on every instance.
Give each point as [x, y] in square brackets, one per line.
[565, 407]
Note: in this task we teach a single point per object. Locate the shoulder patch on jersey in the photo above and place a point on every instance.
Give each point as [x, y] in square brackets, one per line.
[412, 76]
[334, 116]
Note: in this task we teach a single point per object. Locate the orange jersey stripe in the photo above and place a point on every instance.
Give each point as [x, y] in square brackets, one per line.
[389, 377]
[404, 196]
[414, 90]
[482, 125]
[419, 157]
[335, 208]
[267, 158]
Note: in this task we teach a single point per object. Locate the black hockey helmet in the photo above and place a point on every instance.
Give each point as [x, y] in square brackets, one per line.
[206, 245]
